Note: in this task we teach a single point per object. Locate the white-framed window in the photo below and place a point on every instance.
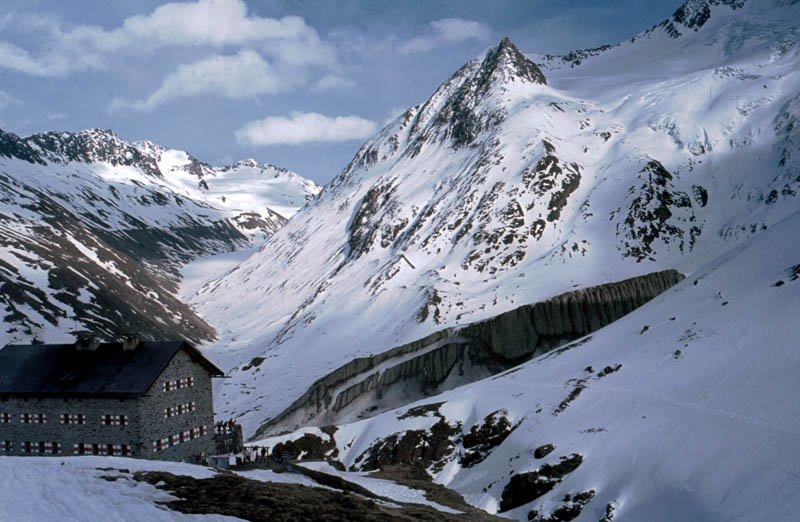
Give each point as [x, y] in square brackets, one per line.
[5, 418]
[86, 448]
[122, 450]
[177, 384]
[114, 420]
[6, 446]
[32, 418]
[50, 448]
[72, 418]
[28, 447]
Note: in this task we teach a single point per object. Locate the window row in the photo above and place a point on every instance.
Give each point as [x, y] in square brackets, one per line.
[48, 448]
[118, 450]
[179, 410]
[51, 448]
[178, 438]
[114, 420]
[32, 418]
[72, 418]
[168, 386]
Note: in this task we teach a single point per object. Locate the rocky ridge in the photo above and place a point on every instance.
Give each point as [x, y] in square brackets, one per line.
[459, 355]
[93, 231]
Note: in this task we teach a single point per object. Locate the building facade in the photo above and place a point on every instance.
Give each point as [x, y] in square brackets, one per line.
[152, 400]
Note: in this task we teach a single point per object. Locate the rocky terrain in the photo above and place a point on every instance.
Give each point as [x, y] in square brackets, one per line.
[456, 356]
[94, 230]
[518, 180]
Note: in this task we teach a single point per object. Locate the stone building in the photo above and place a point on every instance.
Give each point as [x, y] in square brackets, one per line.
[142, 399]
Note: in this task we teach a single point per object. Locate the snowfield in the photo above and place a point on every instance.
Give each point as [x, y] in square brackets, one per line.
[700, 422]
[662, 152]
[71, 489]
[90, 224]
[88, 489]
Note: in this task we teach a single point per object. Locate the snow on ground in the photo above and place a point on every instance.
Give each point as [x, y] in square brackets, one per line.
[384, 488]
[392, 250]
[700, 422]
[197, 273]
[38, 489]
[266, 475]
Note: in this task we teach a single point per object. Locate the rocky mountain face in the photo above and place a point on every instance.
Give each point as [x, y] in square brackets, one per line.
[674, 149]
[93, 230]
[459, 355]
[518, 180]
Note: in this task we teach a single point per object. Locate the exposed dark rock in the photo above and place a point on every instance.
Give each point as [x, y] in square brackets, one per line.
[307, 447]
[543, 451]
[422, 411]
[413, 447]
[658, 211]
[608, 516]
[570, 509]
[527, 487]
[700, 195]
[608, 370]
[694, 14]
[255, 362]
[485, 437]
[571, 397]
[233, 495]
[455, 356]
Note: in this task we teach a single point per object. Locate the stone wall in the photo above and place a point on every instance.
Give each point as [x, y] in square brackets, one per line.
[463, 354]
[156, 427]
[145, 419]
[50, 430]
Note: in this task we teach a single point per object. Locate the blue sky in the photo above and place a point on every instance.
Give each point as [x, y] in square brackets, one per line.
[297, 83]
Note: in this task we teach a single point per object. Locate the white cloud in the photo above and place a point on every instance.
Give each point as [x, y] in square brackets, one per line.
[8, 99]
[302, 128]
[446, 31]
[242, 75]
[215, 23]
[332, 82]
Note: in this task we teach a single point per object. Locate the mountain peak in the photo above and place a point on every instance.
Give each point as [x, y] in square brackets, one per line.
[693, 14]
[507, 60]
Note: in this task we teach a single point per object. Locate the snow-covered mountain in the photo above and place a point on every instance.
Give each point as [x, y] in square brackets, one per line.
[93, 231]
[685, 409]
[522, 178]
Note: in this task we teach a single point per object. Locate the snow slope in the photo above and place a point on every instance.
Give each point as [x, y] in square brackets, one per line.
[93, 230]
[514, 183]
[700, 422]
[74, 489]
[52, 488]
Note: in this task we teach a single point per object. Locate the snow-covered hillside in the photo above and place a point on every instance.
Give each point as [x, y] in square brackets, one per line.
[686, 409]
[518, 180]
[93, 231]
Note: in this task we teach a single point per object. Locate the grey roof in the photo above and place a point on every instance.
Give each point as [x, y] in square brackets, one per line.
[61, 370]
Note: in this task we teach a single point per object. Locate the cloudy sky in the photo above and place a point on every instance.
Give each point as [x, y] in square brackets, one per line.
[297, 83]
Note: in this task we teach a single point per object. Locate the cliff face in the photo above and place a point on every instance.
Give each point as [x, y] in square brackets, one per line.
[455, 356]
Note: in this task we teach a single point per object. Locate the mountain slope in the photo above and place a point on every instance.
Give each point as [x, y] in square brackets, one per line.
[93, 230]
[514, 183]
[683, 410]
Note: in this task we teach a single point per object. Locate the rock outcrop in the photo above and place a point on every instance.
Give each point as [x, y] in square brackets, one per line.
[458, 355]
